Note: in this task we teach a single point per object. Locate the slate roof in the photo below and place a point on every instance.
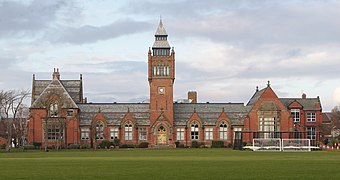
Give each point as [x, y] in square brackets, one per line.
[114, 113]
[54, 87]
[308, 103]
[161, 30]
[255, 97]
[209, 113]
[73, 87]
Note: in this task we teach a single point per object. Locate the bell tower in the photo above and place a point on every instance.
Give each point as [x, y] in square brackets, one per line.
[161, 76]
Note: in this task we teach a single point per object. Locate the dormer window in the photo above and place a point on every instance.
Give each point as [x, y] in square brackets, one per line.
[54, 110]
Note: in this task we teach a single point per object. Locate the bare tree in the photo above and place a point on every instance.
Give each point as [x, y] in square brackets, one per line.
[10, 107]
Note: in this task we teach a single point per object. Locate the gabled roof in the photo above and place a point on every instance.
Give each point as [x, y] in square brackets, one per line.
[54, 87]
[73, 87]
[307, 103]
[256, 97]
[209, 113]
[114, 112]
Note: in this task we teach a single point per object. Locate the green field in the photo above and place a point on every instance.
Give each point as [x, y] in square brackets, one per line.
[169, 164]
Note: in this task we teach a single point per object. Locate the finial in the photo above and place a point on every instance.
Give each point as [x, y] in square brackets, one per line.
[81, 76]
[33, 76]
[128, 109]
[268, 85]
[223, 109]
[99, 110]
[257, 88]
[194, 110]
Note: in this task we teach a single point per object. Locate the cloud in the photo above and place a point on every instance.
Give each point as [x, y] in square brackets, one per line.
[91, 34]
[19, 19]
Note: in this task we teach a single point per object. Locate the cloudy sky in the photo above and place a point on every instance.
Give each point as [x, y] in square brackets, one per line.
[224, 49]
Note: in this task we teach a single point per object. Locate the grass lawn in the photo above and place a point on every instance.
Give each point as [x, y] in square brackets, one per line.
[169, 164]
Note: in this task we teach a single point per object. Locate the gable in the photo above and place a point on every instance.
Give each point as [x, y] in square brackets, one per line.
[54, 90]
[295, 105]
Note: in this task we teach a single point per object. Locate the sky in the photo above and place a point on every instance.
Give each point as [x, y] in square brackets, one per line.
[224, 49]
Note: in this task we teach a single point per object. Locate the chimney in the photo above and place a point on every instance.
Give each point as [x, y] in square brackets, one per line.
[56, 74]
[192, 96]
[304, 96]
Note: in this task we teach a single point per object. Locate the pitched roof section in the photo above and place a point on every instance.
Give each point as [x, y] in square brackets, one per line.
[161, 30]
[114, 113]
[73, 87]
[161, 37]
[209, 113]
[54, 87]
[307, 104]
[256, 97]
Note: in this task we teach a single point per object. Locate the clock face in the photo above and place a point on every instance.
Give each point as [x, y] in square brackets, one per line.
[161, 90]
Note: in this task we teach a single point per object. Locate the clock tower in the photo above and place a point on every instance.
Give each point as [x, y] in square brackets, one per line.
[161, 76]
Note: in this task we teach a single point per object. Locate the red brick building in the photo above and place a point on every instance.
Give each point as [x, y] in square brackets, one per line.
[59, 115]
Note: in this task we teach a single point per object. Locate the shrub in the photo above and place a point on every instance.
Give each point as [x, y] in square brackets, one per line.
[116, 142]
[37, 145]
[84, 146]
[29, 147]
[195, 144]
[3, 146]
[181, 146]
[127, 146]
[104, 144]
[177, 144]
[143, 145]
[73, 146]
[217, 144]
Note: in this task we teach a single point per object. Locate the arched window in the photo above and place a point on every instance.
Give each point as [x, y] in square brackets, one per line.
[128, 131]
[54, 110]
[223, 131]
[194, 131]
[99, 130]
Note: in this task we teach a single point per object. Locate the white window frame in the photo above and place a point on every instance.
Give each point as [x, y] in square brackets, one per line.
[180, 134]
[85, 133]
[114, 132]
[311, 117]
[209, 133]
[143, 134]
[223, 131]
[100, 126]
[294, 113]
[311, 132]
[128, 132]
[194, 131]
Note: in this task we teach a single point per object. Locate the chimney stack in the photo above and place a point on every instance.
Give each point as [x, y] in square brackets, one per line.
[304, 96]
[192, 96]
[56, 74]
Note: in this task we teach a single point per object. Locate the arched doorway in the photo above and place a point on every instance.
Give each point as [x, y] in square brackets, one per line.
[162, 137]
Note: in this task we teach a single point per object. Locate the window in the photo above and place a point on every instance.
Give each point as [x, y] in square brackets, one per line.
[194, 131]
[54, 133]
[143, 134]
[54, 110]
[99, 130]
[180, 134]
[267, 126]
[237, 133]
[114, 133]
[223, 131]
[85, 133]
[311, 117]
[311, 134]
[295, 113]
[209, 134]
[69, 112]
[128, 132]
